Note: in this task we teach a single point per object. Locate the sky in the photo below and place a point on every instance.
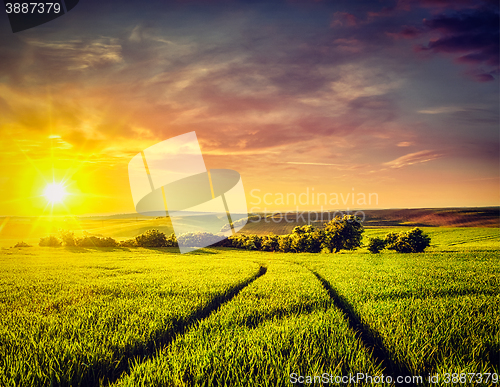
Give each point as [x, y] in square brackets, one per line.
[393, 103]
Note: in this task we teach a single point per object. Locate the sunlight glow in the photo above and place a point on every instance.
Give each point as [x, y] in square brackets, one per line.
[55, 193]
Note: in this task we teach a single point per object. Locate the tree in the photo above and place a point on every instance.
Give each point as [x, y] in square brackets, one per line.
[252, 242]
[67, 238]
[390, 239]
[375, 245]
[151, 238]
[51, 241]
[94, 241]
[22, 244]
[306, 239]
[285, 243]
[128, 243]
[412, 241]
[343, 233]
[303, 229]
[270, 242]
[172, 241]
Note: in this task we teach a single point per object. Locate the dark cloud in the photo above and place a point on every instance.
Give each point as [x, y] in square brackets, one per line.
[466, 29]
[440, 5]
[468, 21]
[474, 34]
[471, 35]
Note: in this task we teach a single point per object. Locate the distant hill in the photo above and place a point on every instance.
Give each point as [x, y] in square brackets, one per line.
[437, 217]
[421, 217]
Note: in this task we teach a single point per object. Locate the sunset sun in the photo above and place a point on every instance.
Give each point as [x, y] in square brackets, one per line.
[55, 193]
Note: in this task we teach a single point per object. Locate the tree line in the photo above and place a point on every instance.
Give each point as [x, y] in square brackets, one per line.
[341, 233]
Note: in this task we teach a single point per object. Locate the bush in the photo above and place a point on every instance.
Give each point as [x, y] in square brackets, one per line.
[88, 241]
[375, 245]
[236, 240]
[67, 238]
[343, 233]
[108, 242]
[172, 241]
[306, 239]
[128, 243]
[285, 243]
[50, 241]
[390, 239]
[93, 241]
[151, 238]
[412, 241]
[198, 239]
[270, 242]
[243, 241]
[302, 229]
[252, 242]
[22, 244]
[146, 240]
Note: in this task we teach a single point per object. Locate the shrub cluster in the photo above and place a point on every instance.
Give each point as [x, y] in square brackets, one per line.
[338, 234]
[151, 238]
[376, 245]
[412, 241]
[51, 241]
[22, 244]
[93, 241]
[297, 242]
[67, 238]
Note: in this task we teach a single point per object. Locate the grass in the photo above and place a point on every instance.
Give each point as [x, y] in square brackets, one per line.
[74, 316]
[281, 323]
[90, 317]
[431, 312]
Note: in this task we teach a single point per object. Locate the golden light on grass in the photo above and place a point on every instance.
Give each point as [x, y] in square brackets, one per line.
[55, 193]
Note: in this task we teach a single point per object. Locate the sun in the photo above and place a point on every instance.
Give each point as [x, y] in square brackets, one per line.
[55, 193]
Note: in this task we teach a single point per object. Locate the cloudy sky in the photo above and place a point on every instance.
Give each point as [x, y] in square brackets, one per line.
[398, 98]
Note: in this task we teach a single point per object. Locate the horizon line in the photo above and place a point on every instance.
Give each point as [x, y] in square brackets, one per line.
[136, 215]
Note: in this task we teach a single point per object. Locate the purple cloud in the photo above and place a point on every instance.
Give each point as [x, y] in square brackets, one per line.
[472, 33]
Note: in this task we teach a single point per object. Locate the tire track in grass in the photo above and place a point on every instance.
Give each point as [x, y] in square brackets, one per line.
[370, 339]
[261, 335]
[181, 327]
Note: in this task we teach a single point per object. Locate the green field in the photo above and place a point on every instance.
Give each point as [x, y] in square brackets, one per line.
[215, 317]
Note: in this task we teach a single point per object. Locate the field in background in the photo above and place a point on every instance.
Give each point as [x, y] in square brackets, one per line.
[434, 217]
